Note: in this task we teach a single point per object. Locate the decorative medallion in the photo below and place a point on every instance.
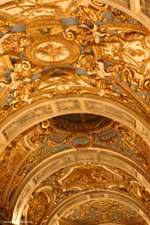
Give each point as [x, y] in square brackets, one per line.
[53, 50]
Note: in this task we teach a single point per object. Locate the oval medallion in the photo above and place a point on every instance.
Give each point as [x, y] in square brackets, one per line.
[53, 50]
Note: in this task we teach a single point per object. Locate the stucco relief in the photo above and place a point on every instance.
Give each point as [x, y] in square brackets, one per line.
[74, 112]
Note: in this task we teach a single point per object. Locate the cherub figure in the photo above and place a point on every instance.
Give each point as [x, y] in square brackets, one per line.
[99, 70]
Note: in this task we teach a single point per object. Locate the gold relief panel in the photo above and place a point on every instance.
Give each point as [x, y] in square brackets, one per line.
[73, 57]
[54, 42]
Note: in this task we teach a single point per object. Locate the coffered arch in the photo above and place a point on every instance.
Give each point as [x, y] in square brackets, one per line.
[65, 159]
[38, 112]
[97, 195]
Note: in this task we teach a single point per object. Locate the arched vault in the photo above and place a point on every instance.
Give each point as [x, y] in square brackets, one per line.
[75, 112]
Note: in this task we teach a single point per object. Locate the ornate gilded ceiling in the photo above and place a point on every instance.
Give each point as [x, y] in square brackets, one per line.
[75, 112]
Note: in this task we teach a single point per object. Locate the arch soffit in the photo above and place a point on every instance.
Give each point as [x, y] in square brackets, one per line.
[132, 8]
[35, 113]
[98, 195]
[70, 158]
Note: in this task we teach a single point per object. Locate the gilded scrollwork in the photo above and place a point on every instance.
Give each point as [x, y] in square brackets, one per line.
[95, 64]
[52, 136]
[70, 181]
[50, 49]
[47, 198]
